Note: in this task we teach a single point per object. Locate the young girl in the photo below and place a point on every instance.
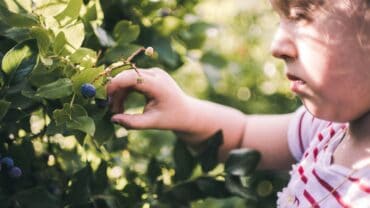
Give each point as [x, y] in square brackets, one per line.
[325, 45]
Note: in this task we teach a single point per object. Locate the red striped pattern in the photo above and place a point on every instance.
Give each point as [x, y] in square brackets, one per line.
[332, 190]
[315, 153]
[332, 132]
[320, 137]
[301, 173]
[310, 199]
[361, 184]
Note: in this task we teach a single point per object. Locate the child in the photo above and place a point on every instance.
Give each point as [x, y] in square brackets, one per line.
[324, 44]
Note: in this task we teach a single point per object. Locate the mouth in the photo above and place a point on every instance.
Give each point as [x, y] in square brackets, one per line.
[296, 83]
[294, 78]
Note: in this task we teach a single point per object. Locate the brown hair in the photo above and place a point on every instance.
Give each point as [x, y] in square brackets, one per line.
[307, 7]
[283, 6]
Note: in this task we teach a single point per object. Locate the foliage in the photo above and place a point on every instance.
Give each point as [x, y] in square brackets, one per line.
[69, 152]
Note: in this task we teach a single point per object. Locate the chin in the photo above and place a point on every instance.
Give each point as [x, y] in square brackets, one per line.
[327, 113]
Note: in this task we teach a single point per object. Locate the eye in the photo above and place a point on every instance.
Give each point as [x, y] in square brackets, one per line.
[298, 14]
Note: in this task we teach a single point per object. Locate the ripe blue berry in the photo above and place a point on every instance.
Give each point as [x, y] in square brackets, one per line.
[7, 162]
[101, 103]
[88, 90]
[15, 172]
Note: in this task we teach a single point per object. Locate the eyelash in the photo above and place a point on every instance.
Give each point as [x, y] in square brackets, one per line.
[299, 15]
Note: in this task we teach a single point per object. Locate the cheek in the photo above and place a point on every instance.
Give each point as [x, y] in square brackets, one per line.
[315, 61]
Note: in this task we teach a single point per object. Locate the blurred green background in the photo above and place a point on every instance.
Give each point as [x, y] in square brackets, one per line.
[235, 66]
[215, 49]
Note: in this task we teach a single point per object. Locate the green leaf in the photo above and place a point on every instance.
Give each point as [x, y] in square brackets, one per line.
[55, 90]
[18, 6]
[153, 170]
[100, 182]
[118, 52]
[126, 32]
[17, 20]
[16, 33]
[104, 131]
[183, 193]
[42, 75]
[61, 45]
[116, 144]
[168, 25]
[212, 187]
[49, 8]
[209, 157]
[166, 53]
[104, 38]
[86, 76]
[4, 107]
[84, 124]
[2, 81]
[24, 154]
[195, 36]
[75, 35]
[94, 12]
[79, 191]
[43, 38]
[36, 197]
[69, 39]
[68, 113]
[184, 161]
[134, 193]
[235, 186]
[70, 13]
[85, 57]
[19, 61]
[214, 59]
[242, 162]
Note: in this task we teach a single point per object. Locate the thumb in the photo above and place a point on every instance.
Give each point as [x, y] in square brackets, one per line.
[133, 121]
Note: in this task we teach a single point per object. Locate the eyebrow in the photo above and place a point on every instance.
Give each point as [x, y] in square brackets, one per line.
[283, 7]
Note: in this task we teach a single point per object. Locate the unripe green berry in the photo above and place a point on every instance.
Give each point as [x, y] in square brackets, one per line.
[149, 51]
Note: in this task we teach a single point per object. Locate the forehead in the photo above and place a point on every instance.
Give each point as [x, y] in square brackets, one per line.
[284, 6]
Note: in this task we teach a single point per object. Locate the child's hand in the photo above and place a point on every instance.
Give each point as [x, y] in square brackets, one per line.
[167, 105]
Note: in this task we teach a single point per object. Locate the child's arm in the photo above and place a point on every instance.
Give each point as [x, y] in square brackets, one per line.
[168, 107]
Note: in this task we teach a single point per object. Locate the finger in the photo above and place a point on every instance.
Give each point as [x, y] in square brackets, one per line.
[128, 80]
[120, 86]
[116, 102]
[134, 121]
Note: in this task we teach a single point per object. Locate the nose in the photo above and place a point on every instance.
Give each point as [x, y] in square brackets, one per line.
[283, 45]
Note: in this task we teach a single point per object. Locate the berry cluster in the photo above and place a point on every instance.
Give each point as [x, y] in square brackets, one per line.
[7, 164]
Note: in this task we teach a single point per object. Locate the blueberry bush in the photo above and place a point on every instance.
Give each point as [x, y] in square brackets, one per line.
[58, 147]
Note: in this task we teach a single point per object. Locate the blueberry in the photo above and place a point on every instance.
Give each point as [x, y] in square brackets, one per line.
[88, 90]
[7, 162]
[101, 103]
[15, 172]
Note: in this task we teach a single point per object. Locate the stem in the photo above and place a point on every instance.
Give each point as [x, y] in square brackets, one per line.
[124, 62]
[72, 101]
[110, 68]
[135, 54]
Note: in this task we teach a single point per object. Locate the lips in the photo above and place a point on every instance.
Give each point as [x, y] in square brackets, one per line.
[294, 78]
[296, 83]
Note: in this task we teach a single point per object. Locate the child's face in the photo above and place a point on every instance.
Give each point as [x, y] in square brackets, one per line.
[329, 67]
